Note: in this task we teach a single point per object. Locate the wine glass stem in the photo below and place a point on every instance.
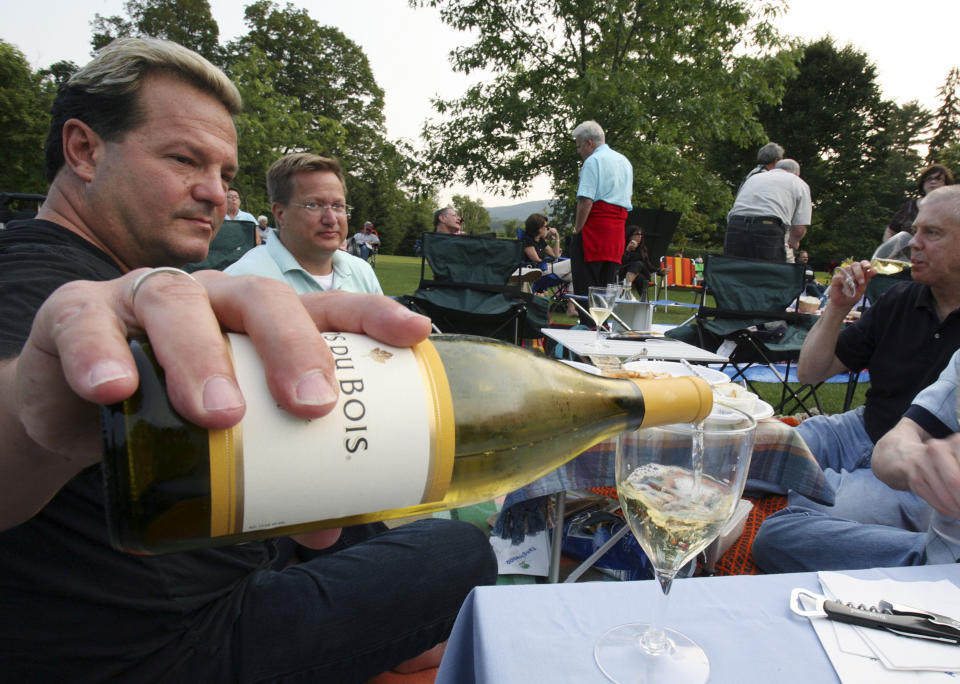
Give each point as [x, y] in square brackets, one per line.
[654, 641]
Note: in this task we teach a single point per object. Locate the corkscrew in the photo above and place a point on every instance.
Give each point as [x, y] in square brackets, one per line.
[892, 617]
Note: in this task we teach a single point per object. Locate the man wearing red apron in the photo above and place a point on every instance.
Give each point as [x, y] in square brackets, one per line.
[603, 200]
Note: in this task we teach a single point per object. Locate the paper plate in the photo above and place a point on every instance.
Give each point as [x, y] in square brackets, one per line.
[677, 370]
[762, 410]
[585, 367]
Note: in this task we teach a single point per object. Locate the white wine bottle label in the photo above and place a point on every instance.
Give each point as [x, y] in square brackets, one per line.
[389, 443]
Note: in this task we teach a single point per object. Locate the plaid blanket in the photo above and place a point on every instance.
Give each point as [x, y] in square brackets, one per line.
[780, 462]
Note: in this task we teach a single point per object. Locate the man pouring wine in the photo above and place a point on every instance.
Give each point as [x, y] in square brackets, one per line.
[74, 284]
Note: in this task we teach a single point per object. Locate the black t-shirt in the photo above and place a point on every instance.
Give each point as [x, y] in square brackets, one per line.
[71, 607]
[636, 261]
[905, 346]
[539, 245]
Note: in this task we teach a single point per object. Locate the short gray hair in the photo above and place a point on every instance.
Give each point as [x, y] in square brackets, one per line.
[789, 165]
[946, 193]
[589, 130]
[105, 93]
[438, 213]
[769, 153]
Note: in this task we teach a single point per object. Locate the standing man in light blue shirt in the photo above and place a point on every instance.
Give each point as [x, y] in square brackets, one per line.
[603, 201]
[308, 199]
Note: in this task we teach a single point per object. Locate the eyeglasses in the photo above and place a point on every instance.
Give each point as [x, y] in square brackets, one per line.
[317, 208]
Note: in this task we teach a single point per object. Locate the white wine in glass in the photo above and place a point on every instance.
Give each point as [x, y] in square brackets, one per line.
[678, 485]
[890, 258]
[601, 301]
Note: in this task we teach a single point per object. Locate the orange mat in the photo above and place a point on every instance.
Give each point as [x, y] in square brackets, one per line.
[422, 677]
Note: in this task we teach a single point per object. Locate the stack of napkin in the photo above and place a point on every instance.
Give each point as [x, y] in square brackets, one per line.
[861, 654]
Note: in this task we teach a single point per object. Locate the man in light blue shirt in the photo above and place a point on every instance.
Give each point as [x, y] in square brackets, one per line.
[603, 201]
[308, 198]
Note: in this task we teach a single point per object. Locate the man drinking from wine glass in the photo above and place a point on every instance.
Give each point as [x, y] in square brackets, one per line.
[905, 340]
[95, 267]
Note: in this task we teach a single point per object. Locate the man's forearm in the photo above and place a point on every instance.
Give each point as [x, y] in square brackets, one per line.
[896, 451]
[794, 236]
[584, 205]
[818, 359]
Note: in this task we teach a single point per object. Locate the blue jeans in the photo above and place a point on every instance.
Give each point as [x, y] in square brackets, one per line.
[755, 237]
[869, 526]
[838, 442]
[350, 615]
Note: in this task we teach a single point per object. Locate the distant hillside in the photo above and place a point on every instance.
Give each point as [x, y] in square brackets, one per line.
[516, 211]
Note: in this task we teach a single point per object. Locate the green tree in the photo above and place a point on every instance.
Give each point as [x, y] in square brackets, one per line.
[24, 121]
[662, 77]
[950, 157]
[58, 73]
[510, 227]
[854, 147]
[325, 71]
[188, 22]
[412, 219]
[476, 219]
[947, 131]
[270, 126]
[328, 78]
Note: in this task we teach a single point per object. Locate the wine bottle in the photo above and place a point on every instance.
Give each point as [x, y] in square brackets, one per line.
[454, 421]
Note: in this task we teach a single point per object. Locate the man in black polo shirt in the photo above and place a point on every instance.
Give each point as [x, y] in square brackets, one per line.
[905, 340]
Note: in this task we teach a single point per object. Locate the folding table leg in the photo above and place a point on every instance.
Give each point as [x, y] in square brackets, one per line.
[598, 554]
[560, 502]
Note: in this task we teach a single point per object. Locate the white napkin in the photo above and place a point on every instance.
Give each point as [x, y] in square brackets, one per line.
[896, 653]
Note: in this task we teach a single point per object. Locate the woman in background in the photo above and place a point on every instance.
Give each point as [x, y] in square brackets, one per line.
[932, 178]
[636, 269]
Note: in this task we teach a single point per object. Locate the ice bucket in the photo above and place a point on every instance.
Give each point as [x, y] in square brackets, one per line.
[638, 315]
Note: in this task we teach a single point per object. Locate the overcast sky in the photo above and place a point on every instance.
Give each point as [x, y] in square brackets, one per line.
[408, 48]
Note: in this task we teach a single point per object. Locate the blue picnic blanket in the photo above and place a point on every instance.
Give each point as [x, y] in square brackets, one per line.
[764, 374]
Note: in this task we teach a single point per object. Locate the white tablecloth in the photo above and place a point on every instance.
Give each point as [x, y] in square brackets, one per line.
[546, 632]
[664, 349]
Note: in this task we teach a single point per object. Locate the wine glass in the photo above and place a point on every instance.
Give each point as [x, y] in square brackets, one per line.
[678, 485]
[601, 301]
[891, 257]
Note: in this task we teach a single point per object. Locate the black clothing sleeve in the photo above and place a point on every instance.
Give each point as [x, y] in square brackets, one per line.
[37, 257]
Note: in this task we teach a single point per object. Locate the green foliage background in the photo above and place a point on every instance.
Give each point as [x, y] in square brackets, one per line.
[687, 89]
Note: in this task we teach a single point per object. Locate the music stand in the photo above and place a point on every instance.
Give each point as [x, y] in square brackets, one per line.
[658, 227]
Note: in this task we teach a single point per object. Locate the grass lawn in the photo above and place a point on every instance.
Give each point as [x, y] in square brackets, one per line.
[400, 275]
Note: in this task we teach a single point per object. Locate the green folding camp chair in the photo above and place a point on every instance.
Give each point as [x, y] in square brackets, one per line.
[469, 292]
[231, 242]
[751, 299]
